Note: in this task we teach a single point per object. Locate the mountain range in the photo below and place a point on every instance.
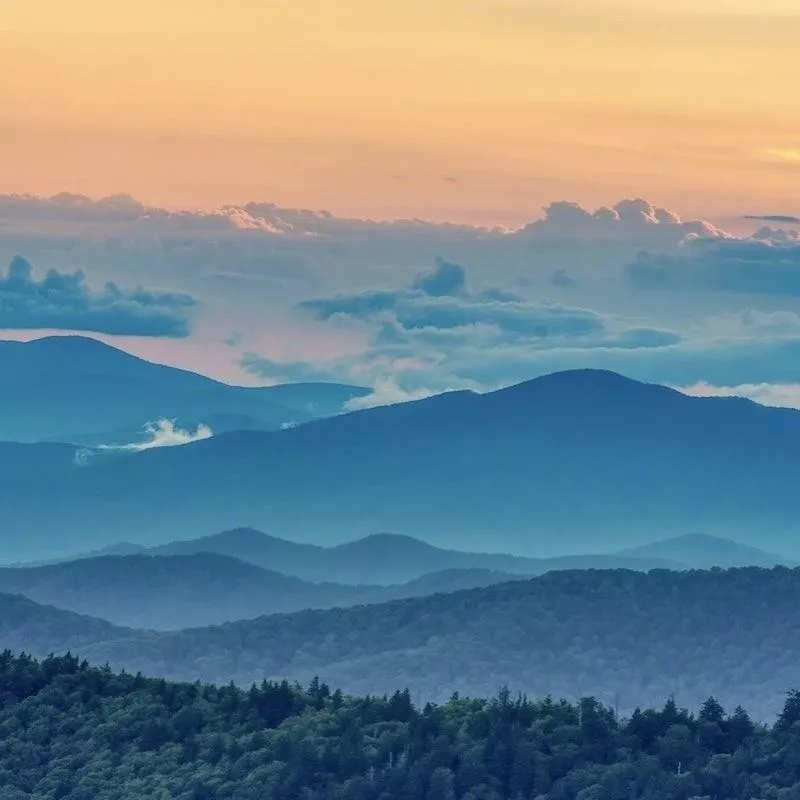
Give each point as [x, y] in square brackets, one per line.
[243, 574]
[627, 637]
[574, 462]
[181, 591]
[384, 559]
[78, 390]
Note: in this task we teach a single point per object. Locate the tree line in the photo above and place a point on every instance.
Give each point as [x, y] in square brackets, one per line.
[71, 731]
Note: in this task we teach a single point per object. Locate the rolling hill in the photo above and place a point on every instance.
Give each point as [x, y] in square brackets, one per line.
[193, 589]
[629, 638]
[26, 626]
[573, 462]
[173, 592]
[76, 389]
[703, 552]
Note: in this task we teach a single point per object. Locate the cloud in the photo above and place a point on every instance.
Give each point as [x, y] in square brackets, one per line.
[499, 305]
[776, 235]
[446, 280]
[121, 210]
[751, 266]
[418, 343]
[163, 433]
[64, 301]
[779, 218]
[781, 395]
[386, 392]
[636, 220]
[441, 300]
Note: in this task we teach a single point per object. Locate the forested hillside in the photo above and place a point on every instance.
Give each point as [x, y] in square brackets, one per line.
[627, 638]
[69, 731]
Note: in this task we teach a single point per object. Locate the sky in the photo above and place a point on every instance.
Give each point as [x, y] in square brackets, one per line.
[415, 196]
[476, 111]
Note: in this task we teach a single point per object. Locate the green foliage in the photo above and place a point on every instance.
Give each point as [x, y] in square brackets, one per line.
[69, 731]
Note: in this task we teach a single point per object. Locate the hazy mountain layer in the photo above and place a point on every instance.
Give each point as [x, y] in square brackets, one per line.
[180, 591]
[573, 462]
[630, 638]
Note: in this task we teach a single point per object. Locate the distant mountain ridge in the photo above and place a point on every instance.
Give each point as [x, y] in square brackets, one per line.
[104, 395]
[383, 559]
[701, 551]
[544, 467]
[245, 574]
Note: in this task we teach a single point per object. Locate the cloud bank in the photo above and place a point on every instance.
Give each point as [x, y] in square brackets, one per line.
[64, 301]
[749, 267]
[631, 287]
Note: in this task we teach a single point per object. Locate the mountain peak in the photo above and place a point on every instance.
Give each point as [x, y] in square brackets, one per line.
[386, 544]
[587, 379]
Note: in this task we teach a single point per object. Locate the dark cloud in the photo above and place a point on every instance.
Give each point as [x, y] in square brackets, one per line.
[742, 266]
[446, 279]
[440, 300]
[780, 218]
[64, 301]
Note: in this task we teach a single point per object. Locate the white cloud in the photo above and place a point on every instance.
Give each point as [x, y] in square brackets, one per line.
[164, 433]
[781, 395]
[629, 220]
[386, 392]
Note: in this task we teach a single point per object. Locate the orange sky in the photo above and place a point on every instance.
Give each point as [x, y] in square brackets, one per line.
[475, 110]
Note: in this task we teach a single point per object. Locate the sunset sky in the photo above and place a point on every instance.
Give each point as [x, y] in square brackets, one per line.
[470, 110]
[624, 179]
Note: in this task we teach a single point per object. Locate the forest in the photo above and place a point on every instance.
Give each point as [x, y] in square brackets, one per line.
[71, 731]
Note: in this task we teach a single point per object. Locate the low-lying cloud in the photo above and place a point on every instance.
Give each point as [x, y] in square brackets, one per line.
[64, 301]
[163, 433]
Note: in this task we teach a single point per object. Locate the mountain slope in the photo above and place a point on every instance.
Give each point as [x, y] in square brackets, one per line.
[173, 592]
[170, 592]
[702, 552]
[543, 468]
[103, 395]
[630, 638]
[39, 630]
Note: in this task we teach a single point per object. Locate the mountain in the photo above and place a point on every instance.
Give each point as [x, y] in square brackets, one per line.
[387, 559]
[170, 592]
[173, 592]
[572, 462]
[79, 390]
[629, 638]
[703, 552]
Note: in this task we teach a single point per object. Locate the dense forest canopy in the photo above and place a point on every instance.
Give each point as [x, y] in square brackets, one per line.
[70, 731]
